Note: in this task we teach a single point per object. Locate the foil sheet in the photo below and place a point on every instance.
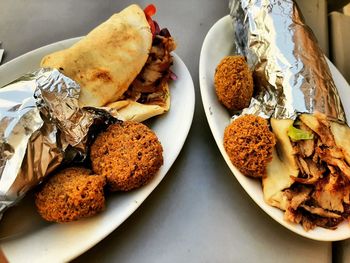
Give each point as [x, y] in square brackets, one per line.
[290, 68]
[42, 127]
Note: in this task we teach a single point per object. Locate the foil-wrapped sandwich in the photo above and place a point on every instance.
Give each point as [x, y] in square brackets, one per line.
[308, 174]
[50, 117]
[41, 125]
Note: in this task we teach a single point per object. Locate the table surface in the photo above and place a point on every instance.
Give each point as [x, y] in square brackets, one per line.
[199, 212]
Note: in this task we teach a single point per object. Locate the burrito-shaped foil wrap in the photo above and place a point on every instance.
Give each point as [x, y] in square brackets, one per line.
[286, 60]
[41, 126]
[309, 174]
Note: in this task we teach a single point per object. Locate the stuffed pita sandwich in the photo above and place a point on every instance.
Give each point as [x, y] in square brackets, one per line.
[124, 64]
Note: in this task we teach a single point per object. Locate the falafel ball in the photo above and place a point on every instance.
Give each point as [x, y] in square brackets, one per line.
[128, 153]
[233, 83]
[71, 194]
[249, 142]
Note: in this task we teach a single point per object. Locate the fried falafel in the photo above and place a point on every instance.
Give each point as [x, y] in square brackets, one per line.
[128, 153]
[71, 194]
[249, 142]
[233, 83]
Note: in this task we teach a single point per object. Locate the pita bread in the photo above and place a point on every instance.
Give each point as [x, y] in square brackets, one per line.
[283, 166]
[130, 110]
[341, 133]
[276, 180]
[107, 60]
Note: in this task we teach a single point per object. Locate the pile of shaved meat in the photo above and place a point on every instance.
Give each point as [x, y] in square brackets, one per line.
[314, 187]
[150, 85]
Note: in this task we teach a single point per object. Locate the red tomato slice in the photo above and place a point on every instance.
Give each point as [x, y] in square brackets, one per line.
[151, 24]
[150, 10]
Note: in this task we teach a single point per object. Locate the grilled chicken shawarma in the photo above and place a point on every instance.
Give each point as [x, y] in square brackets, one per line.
[148, 95]
[124, 63]
[317, 193]
[108, 59]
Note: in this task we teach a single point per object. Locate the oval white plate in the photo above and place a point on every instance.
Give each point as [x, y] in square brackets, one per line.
[63, 242]
[217, 44]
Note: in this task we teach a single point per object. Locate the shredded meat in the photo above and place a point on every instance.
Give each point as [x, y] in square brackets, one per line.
[297, 197]
[320, 211]
[327, 194]
[335, 157]
[148, 87]
[307, 223]
[293, 216]
[306, 147]
[324, 131]
[320, 194]
[311, 170]
[346, 195]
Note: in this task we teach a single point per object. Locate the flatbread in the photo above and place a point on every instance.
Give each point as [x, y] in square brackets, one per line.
[276, 180]
[282, 167]
[341, 133]
[107, 60]
[130, 110]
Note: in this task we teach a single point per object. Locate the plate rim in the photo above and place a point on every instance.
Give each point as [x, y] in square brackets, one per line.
[189, 120]
[244, 181]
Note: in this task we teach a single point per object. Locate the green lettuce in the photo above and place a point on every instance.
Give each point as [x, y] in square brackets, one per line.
[296, 134]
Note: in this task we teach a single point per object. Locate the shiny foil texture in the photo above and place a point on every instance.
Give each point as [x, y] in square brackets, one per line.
[289, 67]
[41, 126]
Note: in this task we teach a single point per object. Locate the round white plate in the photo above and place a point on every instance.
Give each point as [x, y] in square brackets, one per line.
[217, 44]
[63, 242]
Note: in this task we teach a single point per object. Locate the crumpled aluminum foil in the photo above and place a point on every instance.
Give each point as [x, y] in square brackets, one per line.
[41, 127]
[283, 53]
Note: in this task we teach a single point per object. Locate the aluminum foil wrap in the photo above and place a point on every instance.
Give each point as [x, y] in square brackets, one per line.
[41, 126]
[291, 69]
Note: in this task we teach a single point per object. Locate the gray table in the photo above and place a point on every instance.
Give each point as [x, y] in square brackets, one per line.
[199, 212]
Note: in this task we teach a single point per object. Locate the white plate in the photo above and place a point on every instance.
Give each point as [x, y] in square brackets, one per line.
[63, 242]
[217, 44]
